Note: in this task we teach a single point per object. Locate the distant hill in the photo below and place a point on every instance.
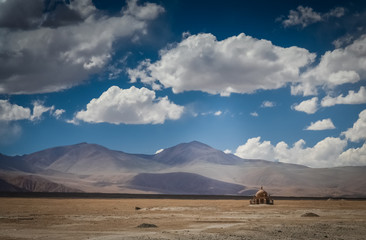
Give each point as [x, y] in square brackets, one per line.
[31, 183]
[194, 152]
[84, 158]
[8, 187]
[187, 168]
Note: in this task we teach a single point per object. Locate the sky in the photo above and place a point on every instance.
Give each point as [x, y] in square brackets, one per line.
[275, 80]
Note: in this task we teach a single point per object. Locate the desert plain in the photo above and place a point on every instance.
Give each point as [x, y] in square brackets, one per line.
[110, 219]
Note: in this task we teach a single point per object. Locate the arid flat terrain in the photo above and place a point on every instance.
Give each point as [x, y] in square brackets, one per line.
[109, 219]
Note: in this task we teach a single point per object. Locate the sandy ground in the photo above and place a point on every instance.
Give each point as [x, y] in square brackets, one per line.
[109, 219]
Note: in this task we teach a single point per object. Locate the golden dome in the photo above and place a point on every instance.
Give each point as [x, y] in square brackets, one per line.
[261, 197]
[261, 193]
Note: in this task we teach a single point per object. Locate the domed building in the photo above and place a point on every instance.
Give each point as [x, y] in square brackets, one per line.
[261, 197]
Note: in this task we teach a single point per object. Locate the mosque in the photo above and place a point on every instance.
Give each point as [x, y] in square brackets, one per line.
[261, 197]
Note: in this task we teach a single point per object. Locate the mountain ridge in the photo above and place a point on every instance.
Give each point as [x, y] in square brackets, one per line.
[186, 153]
[94, 168]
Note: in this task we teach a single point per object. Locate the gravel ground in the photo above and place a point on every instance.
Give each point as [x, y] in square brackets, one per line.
[111, 219]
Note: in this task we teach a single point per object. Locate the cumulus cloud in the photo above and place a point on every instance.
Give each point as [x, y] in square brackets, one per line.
[238, 64]
[352, 98]
[13, 112]
[148, 11]
[268, 104]
[10, 130]
[337, 67]
[323, 154]
[324, 124]
[255, 149]
[227, 151]
[305, 16]
[358, 130]
[129, 106]
[308, 106]
[326, 153]
[242, 64]
[254, 114]
[354, 156]
[329, 152]
[53, 46]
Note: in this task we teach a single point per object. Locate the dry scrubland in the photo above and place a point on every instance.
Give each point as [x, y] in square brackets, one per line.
[108, 219]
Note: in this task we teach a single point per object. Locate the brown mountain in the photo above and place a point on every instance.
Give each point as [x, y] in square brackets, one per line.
[189, 168]
[194, 152]
[86, 158]
[30, 183]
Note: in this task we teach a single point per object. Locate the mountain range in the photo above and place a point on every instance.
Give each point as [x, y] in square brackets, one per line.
[187, 168]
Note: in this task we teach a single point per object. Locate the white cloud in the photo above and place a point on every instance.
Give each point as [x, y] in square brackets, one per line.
[218, 113]
[227, 151]
[358, 131]
[337, 67]
[129, 106]
[72, 121]
[213, 113]
[186, 34]
[39, 109]
[343, 41]
[268, 104]
[58, 112]
[148, 11]
[96, 61]
[335, 12]
[201, 62]
[308, 106]
[304, 16]
[352, 98]
[329, 152]
[239, 64]
[42, 52]
[254, 114]
[9, 113]
[354, 156]
[324, 124]
[13, 112]
[325, 153]
[254, 149]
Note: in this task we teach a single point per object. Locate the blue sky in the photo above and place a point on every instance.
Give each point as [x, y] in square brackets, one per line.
[275, 80]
